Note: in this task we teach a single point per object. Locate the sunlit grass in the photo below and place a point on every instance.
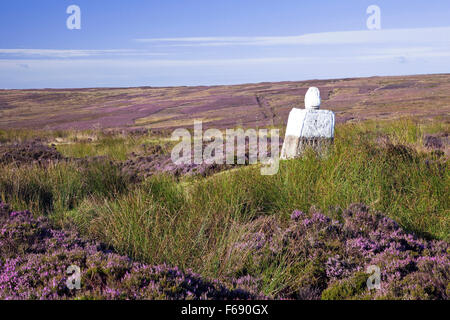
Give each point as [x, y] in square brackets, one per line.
[191, 223]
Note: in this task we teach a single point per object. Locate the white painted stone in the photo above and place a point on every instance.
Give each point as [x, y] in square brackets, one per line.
[312, 98]
[308, 127]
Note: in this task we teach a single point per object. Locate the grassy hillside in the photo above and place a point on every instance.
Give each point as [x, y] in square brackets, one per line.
[231, 224]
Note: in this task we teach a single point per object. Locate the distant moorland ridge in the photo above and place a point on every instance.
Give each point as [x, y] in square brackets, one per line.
[247, 105]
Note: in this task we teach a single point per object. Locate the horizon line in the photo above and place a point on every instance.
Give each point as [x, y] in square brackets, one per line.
[224, 84]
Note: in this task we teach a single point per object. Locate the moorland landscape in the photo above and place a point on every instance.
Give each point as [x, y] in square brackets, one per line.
[86, 179]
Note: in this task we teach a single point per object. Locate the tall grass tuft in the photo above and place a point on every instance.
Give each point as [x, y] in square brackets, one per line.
[193, 223]
[59, 187]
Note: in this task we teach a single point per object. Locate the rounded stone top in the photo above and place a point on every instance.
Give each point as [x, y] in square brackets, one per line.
[312, 98]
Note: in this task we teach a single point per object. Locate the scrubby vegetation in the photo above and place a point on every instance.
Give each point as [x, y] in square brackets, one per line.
[237, 224]
[34, 259]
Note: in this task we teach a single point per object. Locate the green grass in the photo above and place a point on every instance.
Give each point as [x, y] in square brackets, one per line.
[21, 135]
[193, 223]
[116, 148]
[59, 187]
[90, 143]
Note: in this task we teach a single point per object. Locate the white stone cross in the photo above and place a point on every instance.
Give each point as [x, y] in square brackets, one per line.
[308, 127]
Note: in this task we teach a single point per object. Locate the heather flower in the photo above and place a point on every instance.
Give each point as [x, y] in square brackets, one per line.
[297, 214]
[324, 255]
[318, 257]
[34, 259]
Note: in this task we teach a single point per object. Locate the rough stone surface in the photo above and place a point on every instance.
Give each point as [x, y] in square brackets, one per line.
[312, 98]
[308, 127]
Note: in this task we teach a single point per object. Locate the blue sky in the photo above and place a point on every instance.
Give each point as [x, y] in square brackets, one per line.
[198, 42]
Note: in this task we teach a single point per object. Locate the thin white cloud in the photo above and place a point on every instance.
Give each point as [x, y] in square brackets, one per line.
[389, 54]
[405, 51]
[95, 72]
[57, 53]
[395, 36]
